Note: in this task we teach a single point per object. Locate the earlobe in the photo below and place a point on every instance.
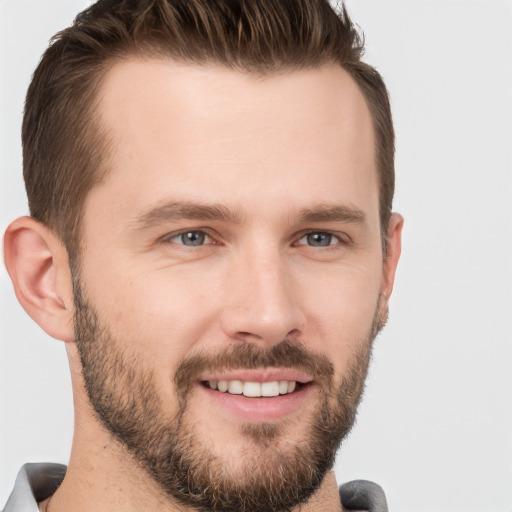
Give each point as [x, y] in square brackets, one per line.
[37, 263]
[394, 248]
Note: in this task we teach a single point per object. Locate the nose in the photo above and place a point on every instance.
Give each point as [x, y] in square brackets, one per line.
[263, 306]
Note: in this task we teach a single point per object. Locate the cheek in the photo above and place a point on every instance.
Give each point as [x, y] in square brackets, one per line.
[162, 314]
[341, 309]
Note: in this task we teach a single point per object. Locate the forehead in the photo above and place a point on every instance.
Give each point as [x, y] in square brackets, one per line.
[213, 134]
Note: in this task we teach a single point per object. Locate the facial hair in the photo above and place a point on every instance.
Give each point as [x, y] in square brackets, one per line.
[271, 476]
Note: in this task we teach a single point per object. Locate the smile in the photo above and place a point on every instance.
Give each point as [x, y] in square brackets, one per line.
[253, 389]
[258, 395]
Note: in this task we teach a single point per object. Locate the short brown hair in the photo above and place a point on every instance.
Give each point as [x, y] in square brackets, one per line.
[65, 152]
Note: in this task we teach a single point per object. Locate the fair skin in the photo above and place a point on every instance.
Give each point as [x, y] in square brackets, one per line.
[272, 152]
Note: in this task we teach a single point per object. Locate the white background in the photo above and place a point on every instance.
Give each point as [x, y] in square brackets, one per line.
[435, 428]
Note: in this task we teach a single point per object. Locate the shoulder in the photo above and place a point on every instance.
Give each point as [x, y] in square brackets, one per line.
[34, 483]
[363, 495]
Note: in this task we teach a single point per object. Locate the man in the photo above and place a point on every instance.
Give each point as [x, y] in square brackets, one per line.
[210, 186]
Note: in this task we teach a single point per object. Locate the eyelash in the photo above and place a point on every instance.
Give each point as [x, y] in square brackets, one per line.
[333, 237]
[170, 238]
[337, 238]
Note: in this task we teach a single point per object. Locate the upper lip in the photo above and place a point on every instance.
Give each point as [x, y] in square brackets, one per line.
[260, 375]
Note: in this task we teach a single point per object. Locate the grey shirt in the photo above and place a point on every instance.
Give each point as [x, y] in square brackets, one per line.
[37, 482]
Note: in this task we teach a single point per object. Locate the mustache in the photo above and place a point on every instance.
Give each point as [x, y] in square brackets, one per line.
[246, 356]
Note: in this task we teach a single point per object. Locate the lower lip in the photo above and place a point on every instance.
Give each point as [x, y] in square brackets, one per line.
[259, 409]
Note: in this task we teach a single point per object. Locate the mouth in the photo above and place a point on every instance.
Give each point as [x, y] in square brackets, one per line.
[253, 389]
[258, 395]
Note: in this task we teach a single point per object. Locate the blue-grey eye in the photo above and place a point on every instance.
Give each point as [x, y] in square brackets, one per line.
[190, 238]
[318, 239]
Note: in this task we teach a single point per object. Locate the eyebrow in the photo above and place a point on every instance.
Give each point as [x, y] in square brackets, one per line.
[174, 211]
[333, 213]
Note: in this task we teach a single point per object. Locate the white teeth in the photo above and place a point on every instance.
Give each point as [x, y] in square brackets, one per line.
[236, 387]
[270, 389]
[254, 389]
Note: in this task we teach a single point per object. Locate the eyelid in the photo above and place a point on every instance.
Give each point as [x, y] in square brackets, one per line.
[168, 238]
[342, 238]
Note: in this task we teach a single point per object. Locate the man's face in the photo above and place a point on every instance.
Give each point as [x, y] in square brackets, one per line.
[234, 243]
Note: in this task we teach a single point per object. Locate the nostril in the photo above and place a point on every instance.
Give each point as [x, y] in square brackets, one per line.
[261, 324]
[245, 334]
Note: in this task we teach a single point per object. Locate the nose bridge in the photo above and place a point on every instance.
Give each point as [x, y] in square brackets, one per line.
[263, 304]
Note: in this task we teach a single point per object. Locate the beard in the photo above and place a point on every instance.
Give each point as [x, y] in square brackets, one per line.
[273, 474]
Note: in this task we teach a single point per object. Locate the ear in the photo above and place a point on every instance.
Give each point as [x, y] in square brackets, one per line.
[37, 263]
[394, 248]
